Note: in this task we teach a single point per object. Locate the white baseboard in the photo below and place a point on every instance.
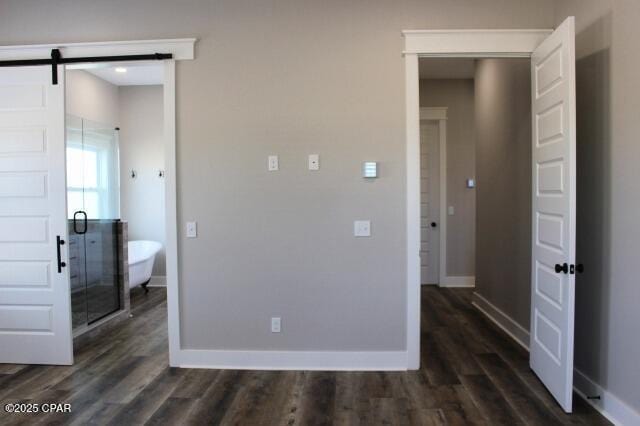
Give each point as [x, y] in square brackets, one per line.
[457, 281]
[293, 360]
[610, 406]
[158, 281]
[502, 320]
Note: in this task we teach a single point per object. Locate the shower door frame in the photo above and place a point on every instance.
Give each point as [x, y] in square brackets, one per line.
[181, 49]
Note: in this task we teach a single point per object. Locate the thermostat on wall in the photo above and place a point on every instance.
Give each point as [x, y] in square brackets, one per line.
[471, 183]
[370, 169]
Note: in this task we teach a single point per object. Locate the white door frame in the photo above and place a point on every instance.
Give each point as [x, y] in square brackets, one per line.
[181, 49]
[439, 114]
[441, 43]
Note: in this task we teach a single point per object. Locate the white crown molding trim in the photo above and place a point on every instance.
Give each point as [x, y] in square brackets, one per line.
[294, 360]
[609, 405]
[473, 43]
[457, 281]
[181, 49]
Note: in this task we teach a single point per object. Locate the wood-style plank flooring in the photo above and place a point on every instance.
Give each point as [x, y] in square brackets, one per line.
[472, 373]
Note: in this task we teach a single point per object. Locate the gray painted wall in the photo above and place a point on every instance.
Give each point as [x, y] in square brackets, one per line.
[91, 98]
[503, 161]
[457, 95]
[142, 149]
[608, 237]
[288, 77]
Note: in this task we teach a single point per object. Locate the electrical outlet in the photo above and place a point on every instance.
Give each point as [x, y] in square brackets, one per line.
[314, 162]
[275, 324]
[192, 229]
[272, 163]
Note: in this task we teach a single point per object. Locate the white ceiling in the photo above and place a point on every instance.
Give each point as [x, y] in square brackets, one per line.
[438, 68]
[140, 74]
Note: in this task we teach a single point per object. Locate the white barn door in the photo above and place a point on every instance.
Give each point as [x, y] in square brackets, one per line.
[35, 315]
[554, 205]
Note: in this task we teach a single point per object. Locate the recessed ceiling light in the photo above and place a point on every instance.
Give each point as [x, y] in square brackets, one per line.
[121, 69]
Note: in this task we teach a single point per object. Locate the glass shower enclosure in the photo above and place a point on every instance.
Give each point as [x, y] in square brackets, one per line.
[93, 198]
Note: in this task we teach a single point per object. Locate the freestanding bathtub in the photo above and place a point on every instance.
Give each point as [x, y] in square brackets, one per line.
[141, 257]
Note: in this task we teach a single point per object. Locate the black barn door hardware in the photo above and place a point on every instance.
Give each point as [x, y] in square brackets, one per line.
[57, 59]
[61, 264]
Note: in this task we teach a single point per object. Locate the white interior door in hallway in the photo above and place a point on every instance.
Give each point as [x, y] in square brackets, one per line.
[430, 201]
[35, 313]
[554, 212]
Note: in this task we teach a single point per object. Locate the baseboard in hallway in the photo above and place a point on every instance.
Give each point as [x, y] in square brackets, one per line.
[502, 320]
[609, 405]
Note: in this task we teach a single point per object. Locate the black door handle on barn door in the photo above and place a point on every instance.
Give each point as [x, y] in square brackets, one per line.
[434, 225]
[562, 268]
[60, 243]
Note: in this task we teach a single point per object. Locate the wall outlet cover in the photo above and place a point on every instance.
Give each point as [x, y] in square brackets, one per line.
[192, 229]
[314, 162]
[272, 163]
[362, 228]
[276, 325]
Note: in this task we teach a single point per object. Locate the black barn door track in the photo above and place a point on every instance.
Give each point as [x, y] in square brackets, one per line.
[57, 59]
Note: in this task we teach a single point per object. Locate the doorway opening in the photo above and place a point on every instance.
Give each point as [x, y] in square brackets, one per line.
[115, 187]
[33, 215]
[551, 58]
[475, 175]
[475, 126]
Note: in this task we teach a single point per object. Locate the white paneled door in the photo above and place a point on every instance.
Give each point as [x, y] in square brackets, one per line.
[554, 212]
[430, 201]
[35, 314]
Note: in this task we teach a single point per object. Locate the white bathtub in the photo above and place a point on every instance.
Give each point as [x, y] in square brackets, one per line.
[141, 257]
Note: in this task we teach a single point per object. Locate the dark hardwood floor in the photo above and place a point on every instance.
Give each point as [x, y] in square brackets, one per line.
[472, 373]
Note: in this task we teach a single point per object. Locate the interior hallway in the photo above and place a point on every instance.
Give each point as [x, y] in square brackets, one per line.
[472, 373]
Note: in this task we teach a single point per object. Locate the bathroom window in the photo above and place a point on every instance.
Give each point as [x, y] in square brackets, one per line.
[92, 171]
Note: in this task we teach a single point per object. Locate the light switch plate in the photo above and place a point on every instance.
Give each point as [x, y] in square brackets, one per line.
[192, 229]
[276, 325]
[471, 183]
[362, 228]
[451, 211]
[272, 163]
[314, 162]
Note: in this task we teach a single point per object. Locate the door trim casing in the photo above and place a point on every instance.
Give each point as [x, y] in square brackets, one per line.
[181, 49]
[516, 43]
